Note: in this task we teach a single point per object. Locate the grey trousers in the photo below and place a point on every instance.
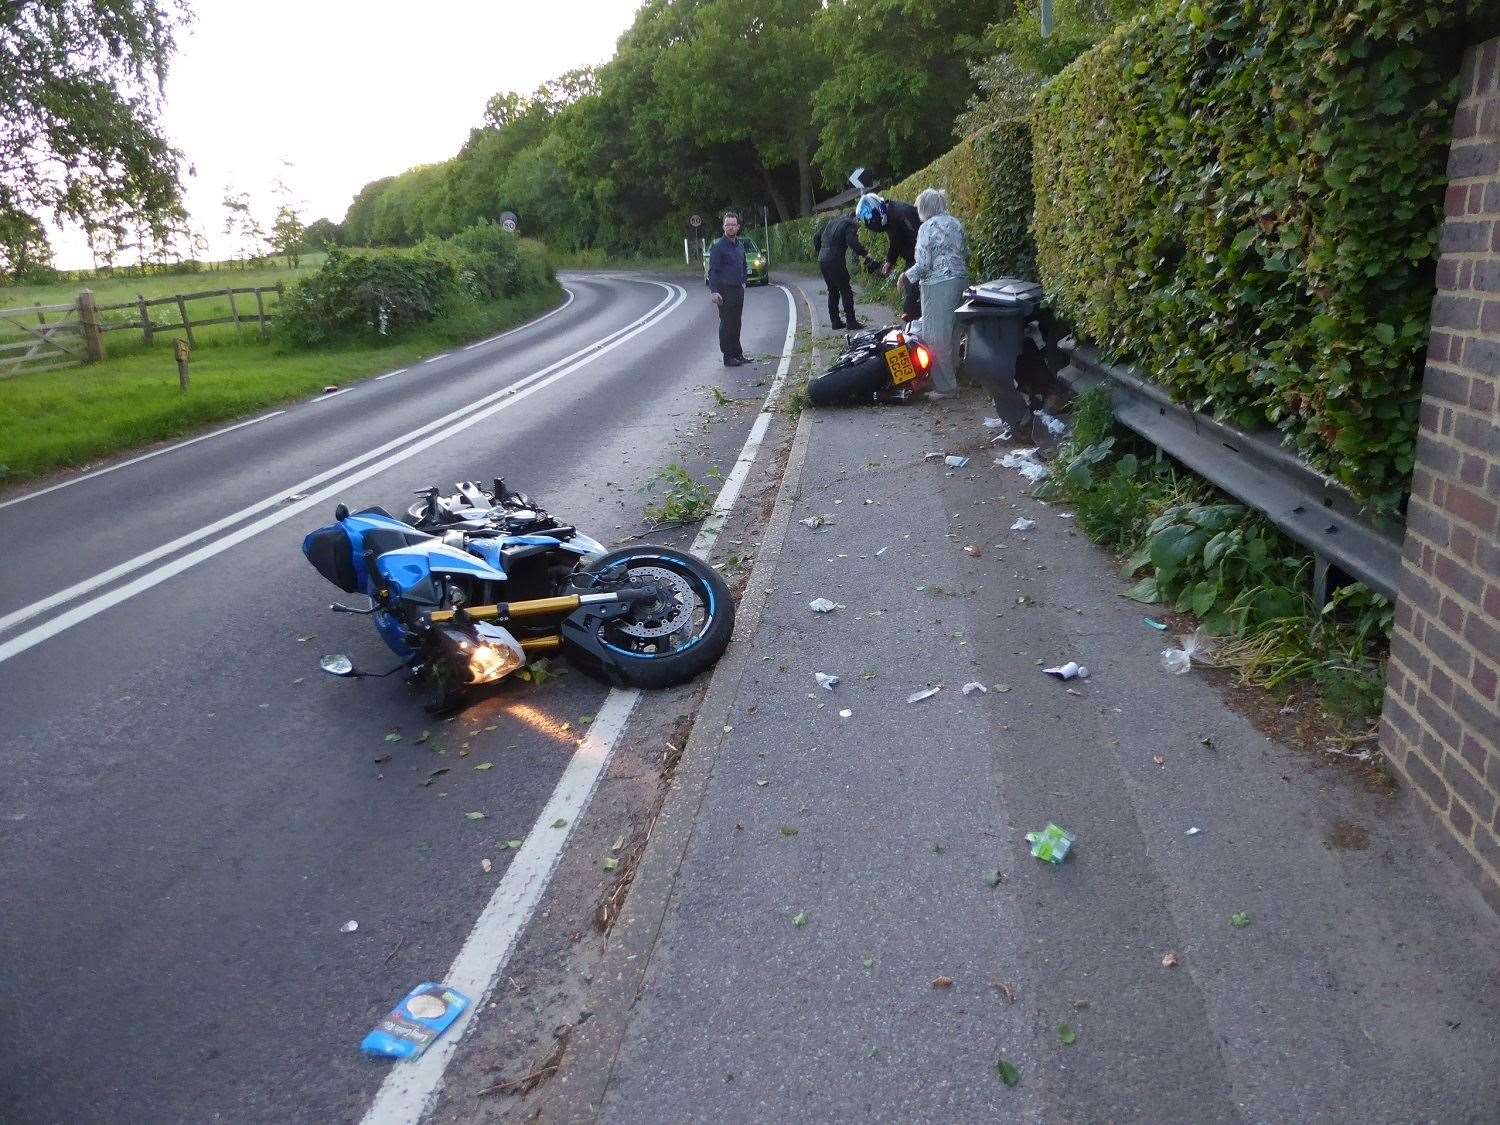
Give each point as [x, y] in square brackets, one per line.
[940, 296]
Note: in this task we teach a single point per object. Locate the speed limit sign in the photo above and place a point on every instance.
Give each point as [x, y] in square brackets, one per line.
[508, 221]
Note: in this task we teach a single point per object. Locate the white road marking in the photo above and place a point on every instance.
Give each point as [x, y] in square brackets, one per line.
[454, 421]
[568, 300]
[331, 394]
[137, 460]
[434, 359]
[410, 1089]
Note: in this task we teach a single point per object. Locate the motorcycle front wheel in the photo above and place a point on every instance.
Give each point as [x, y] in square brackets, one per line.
[682, 633]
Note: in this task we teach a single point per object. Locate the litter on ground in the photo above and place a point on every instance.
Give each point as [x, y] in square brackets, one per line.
[1159, 626]
[825, 681]
[1179, 661]
[954, 461]
[412, 1025]
[1072, 670]
[823, 605]
[974, 685]
[1051, 844]
[349, 927]
[1023, 524]
[1024, 461]
[918, 696]
[816, 521]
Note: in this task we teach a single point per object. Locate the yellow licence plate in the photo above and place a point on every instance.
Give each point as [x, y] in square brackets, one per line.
[898, 361]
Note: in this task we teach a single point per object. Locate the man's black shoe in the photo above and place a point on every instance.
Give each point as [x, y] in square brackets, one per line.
[734, 361]
[837, 326]
[855, 326]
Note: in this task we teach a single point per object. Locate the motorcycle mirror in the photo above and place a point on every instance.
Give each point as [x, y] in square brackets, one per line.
[341, 512]
[337, 665]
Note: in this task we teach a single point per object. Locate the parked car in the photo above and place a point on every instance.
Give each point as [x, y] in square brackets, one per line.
[757, 262]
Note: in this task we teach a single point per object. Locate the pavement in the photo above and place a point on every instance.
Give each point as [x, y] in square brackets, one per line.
[836, 917]
[190, 812]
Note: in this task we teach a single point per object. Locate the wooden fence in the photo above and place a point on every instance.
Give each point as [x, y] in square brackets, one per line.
[63, 335]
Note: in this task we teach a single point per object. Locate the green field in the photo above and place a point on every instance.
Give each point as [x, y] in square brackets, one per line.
[69, 417]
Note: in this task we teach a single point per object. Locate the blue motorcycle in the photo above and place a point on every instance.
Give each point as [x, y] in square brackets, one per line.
[471, 587]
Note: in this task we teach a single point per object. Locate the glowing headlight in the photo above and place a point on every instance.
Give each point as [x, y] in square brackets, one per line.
[488, 663]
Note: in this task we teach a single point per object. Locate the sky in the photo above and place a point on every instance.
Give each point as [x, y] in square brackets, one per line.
[350, 91]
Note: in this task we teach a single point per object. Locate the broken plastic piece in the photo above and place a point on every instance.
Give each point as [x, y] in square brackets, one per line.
[954, 461]
[1159, 626]
[1192, 831]
[1179, 661]
[349, 927]
[974, 685]
[1069, 671]
[823, 605]
[845, 713]
[1051, 844]
[411, 1026]
[1023, 524]
[825, 681]
[816, 521]
[1024, 462]
[1055, 426]
[918, 696]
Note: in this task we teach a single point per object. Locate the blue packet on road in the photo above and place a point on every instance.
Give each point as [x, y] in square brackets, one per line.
[423, 1014]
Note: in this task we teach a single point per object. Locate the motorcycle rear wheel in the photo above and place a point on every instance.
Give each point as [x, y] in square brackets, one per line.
[847, 383]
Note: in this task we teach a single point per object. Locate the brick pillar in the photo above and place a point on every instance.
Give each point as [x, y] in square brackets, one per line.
[1441, 724]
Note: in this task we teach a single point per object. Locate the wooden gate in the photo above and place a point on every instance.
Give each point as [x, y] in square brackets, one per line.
[39, 338]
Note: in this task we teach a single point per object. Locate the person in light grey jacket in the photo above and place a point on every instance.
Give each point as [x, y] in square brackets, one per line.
[942, 269]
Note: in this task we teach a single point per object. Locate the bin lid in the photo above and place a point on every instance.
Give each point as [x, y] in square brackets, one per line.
[1007, 292]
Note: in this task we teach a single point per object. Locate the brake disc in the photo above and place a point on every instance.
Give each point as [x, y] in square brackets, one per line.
[672, 609]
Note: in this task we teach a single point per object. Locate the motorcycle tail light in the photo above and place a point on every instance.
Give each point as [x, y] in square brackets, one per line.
[923, 358]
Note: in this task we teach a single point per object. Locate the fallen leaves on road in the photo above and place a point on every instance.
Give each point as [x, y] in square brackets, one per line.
[393, 737]
[560, 822]
[421, 738]
[609, 863]
[1239, 920]
[1170, 961]
[476, 816]
[1066, 1035]
[1007, 990]
[511, 844]
[868, 962]
[434, 775]
[994, 877]
[485, 766]
[942, 982]
[787, 830]
[1008, 1073]
[799, 919]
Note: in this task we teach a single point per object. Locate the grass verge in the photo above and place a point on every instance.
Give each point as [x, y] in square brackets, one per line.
[1192, 550]
[71, 417]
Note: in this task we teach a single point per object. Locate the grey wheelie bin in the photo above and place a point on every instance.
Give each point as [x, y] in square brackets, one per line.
[1000, 319]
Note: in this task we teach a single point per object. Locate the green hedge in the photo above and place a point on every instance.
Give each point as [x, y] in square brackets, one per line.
[388, 292]
[1243, 197]
[988, 180]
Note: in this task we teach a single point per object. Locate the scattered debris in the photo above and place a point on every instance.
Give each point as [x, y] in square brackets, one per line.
[799, 919]
[994, 877]
[974, 685]
[932, 456]
[882, 550]
[511, 845]
[825, 681]
[928, 693]
[412, 1025]
[786, 831]
[1240, 919]
[1023, 524]
[1192, 831]
[1072, 670]
[845, 713]
[823, 605]
[1157, 759]
[486, 865]
[1051, 844]
[1170, 961]
[1007, 990]
[609, 863]
[974, 551]
[942, 982]
[1066, 1035]
[1001, 688]
[328, 390]
[868, 962]
[476, 816]
[349, 927]
[1024, 461]
[292, 497]
[1159, 626]
[393, 737]
[560, 822]
[816, 521]
[1008, 1072]
[954, 461]
[1000, 427]
[434, 775]
[1179, 661]
[1055, 426]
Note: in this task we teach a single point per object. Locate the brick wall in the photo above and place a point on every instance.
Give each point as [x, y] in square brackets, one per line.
[1441, 725]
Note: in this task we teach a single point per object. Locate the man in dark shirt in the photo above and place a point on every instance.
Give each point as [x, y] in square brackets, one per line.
[899, 222]
[726, 283]
[832, 241]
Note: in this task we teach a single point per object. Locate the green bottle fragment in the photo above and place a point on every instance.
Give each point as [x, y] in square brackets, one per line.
[1050, 844]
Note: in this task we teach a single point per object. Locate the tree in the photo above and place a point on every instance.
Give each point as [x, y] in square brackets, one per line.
[288, 234]
[322, 234]
[80, 139]
[899, 75]
[241, 225]
[25, 254]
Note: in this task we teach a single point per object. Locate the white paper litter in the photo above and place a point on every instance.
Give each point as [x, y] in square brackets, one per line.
[825, 681]
[882, 551]
[974, 685]
[1055, 426]
[918, 696]
[1024, 462]
[954, 461]
[1069, 671]
[1023, 524]
[823, 605]
[349, 927]
[816, 521]
[1192, 831]
[845, 713]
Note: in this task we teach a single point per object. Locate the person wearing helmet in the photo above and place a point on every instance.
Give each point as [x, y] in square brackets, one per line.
[832, 241]
[899, 222]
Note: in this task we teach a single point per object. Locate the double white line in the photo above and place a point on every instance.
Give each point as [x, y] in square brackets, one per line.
[364, 466]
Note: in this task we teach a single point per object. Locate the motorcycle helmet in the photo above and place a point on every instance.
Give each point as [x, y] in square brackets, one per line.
[871, 211]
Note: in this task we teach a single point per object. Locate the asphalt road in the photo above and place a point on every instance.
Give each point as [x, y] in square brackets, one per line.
[190, 812]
